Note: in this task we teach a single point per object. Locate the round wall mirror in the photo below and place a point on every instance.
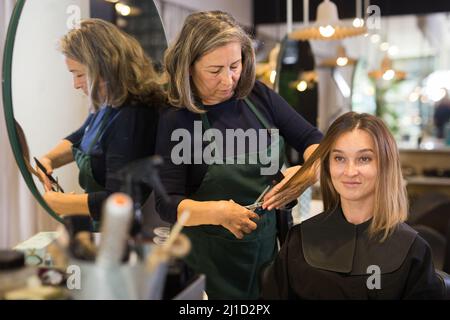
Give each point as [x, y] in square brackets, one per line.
[40, 104]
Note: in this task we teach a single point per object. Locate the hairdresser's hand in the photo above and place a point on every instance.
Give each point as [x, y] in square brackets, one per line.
[47, 163]
[236, 218]
[289, 189]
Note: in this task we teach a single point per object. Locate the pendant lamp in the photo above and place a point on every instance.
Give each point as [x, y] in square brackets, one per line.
[387, 72]
[327, 26]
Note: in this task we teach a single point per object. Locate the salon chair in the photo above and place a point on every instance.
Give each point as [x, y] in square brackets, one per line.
[434, 227]
[440, 251]
[424, 204]
[445, 280]
[432, 211]
[438, 218]
[437, 244]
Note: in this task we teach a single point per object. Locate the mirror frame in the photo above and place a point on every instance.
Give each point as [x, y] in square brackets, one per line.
[8, 108]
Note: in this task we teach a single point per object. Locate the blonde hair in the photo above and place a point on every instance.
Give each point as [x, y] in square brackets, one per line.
[203, 32]
[391, 204]
[115, 58]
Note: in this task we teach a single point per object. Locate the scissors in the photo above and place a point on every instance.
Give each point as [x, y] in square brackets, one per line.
[258, 203]
[254, 206]
[55, 184]
[278, 177]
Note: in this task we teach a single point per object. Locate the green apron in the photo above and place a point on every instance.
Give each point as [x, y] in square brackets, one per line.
[233, 266]
[83, 160]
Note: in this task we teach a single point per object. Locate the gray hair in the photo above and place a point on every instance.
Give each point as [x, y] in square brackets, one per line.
[203, 32]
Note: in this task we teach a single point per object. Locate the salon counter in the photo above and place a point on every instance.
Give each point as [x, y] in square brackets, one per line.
[426, 170]
[131, 280]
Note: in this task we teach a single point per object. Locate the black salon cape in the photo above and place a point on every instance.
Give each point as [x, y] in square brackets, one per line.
[328, 258]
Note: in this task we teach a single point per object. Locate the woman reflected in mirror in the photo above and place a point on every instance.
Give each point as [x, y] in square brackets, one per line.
[111, 68]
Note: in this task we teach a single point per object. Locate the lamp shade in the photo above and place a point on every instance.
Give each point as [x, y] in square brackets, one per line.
[340, 60]
[327, 26]
[387, 72]
[327, 13]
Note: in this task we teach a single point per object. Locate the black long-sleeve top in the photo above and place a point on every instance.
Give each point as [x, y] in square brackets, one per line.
[129, 135]
[182, 180]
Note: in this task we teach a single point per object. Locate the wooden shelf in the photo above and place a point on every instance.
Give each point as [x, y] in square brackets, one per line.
[445, 151]
[428, 181]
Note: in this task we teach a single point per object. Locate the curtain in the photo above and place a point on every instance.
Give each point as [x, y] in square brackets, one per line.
[20, 214]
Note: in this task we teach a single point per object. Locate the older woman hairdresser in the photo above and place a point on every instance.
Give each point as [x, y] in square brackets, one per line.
[217, 102]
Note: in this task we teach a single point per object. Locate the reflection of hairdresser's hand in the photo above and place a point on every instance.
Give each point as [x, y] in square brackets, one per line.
[236, 218]
[66, 203]
[55, 200]
[47, 163]
[292, 188]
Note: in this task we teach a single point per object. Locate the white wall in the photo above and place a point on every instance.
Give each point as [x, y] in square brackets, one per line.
[45, 103]
[241, 10]
[174, 12]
